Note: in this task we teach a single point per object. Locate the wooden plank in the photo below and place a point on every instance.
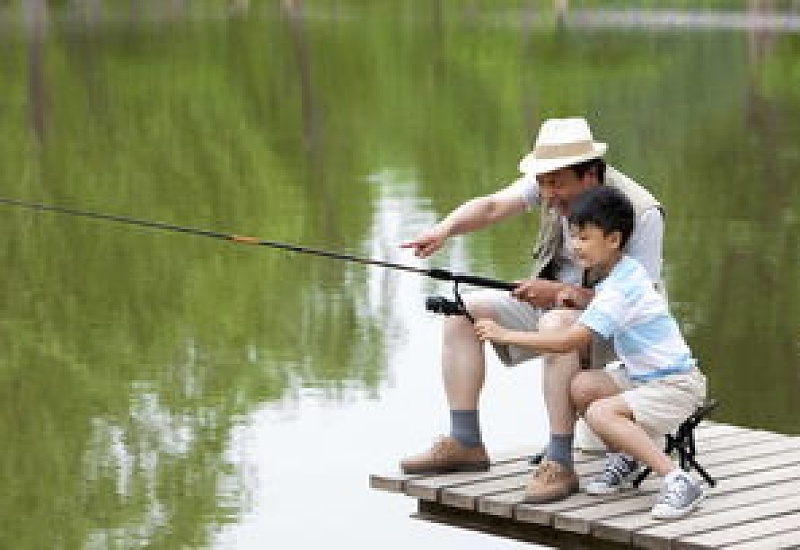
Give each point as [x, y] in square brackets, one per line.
[599, 507]
[582, 521]
[732, 439]
[501, 504]
[662, 536]
[709, 435]
[788, 539]
[430, 487]
[575, 519]
[622, 528]
[748, 532]
[755, 504]
[742, 502]
[395, 481]
[467, 496]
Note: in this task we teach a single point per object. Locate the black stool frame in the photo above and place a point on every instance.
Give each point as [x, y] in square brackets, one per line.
[683, 442]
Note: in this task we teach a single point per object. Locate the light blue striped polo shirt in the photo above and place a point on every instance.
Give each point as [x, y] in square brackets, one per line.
[646, 337]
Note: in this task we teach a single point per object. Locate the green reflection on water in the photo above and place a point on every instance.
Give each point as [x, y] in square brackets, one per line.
[130, 354]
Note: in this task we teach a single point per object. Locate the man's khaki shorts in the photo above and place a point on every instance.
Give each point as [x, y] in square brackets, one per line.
[518, 315]
[660, 405]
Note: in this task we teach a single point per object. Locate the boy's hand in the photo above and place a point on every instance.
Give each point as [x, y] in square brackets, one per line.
[488, 330]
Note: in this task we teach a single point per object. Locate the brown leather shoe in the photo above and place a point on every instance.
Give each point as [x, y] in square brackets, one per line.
[447, 455]
[550, 482]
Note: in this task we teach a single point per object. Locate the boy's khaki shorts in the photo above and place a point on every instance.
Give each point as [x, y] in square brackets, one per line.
[660, 405]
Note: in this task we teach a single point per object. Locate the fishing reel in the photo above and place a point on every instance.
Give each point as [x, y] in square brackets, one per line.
[448, 307]
[443, 306]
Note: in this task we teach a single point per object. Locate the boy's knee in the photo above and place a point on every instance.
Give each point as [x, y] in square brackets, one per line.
[599, 412]
[557, 319]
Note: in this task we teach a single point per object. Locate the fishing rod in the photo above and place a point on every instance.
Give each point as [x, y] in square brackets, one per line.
[436, 304]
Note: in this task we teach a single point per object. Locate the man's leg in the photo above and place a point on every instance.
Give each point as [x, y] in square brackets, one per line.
[463, 362]
[555, 477]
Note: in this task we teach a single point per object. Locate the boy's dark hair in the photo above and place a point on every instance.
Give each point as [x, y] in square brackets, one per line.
[604, 207]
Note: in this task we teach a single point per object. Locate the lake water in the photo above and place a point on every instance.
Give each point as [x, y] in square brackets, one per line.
[162, 390]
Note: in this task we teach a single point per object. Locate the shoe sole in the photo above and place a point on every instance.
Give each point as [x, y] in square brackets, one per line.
[608, 491]
[480, 467]
[678, 514]
[546, 499]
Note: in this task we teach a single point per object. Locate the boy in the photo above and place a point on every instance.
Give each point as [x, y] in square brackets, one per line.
[656, 386]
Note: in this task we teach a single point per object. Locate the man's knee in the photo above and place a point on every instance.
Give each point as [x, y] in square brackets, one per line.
[583, 390]
[557, 319]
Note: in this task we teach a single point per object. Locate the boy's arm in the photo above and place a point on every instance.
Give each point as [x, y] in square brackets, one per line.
[573, 338]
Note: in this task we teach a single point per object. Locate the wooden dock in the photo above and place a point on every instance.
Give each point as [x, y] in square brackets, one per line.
[754, 505]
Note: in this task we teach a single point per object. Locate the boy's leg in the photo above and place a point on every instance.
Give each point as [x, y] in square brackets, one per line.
[620, 468]
[621, 420]
[613, 420]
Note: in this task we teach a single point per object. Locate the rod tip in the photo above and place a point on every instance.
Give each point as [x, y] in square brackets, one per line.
[244, 240]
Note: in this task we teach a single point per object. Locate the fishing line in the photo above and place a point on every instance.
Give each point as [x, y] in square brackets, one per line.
[438, 274]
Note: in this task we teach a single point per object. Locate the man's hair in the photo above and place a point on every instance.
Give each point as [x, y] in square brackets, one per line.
[604, 207]
[598, 165]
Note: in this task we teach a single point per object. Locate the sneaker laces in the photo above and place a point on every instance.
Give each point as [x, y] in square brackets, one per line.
[673, 491]
[616, 469]
[441, 447]
[547, 471]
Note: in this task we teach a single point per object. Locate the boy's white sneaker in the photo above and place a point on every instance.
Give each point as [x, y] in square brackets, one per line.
[619, 472]
[680, 494]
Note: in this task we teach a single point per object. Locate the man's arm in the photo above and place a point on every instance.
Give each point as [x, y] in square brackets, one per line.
[545, 293]
[574, 338]
[474, 214]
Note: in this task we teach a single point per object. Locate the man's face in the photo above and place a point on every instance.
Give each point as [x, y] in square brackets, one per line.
[559, 188]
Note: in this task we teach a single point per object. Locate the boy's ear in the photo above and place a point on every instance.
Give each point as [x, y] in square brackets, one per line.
[615, 237]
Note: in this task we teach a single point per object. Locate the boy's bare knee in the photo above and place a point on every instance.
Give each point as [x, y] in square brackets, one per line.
[599, 412]
[557, 319]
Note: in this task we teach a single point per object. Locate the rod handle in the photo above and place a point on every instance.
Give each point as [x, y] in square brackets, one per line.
[445, 275]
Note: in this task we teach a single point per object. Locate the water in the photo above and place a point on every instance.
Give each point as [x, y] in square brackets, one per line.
[162, 390]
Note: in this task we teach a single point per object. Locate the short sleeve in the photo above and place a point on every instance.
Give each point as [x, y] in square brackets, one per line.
[604, 313]
[647, 242]
[526, 188]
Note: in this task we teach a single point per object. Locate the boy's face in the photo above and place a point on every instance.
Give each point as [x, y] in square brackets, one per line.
[594, 248]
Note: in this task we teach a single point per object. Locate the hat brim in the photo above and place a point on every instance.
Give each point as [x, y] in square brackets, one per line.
[533, 166]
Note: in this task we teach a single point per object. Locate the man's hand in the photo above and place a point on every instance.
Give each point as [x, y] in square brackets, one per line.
[427, 242]
[537, 292]
[488, 330]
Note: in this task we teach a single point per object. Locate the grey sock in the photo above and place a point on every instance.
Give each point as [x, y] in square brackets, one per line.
[560, 449]
[465, 428]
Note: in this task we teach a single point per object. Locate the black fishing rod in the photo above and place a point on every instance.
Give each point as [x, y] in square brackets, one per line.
[439, 274]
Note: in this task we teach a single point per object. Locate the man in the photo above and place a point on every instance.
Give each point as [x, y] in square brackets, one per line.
[564, 162]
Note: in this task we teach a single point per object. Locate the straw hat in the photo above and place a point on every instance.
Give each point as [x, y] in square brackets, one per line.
[561, 142]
